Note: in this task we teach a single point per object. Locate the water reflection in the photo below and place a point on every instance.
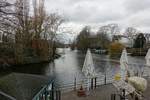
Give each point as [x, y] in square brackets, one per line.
[31, 68]
[69, 65]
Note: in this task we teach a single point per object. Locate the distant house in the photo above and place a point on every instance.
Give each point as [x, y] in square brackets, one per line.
[17, 86]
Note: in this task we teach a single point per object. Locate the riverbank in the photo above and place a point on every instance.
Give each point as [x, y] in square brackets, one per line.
[8, 63]
[19, 54]
[69, 66]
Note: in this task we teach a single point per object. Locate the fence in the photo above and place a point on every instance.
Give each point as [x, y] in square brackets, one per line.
[143, 71]
[74, 85]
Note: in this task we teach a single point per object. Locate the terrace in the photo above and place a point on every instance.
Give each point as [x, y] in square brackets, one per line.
[103, 92]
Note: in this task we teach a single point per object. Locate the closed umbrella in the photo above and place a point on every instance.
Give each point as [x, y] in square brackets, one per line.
[88, 67]
[147, 57]
[123, 64]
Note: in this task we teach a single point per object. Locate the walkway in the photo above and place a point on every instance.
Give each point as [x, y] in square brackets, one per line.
[102, 92]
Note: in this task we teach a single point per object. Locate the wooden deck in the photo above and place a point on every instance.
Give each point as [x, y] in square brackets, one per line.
[102, 93]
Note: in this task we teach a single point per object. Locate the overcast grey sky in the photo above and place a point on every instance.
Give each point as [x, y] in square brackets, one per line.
[135, 13]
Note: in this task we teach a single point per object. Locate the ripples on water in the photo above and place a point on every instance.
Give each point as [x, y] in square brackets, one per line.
[69, 65]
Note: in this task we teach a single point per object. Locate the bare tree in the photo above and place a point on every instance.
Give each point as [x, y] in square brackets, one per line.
[39, 18]
[17, 19]
[7, 18]
[45, 25]
[114, 29]
[51, 25]
[103, 29]
[22, 31]
[131, 32]
[23, 21]
[102, 36]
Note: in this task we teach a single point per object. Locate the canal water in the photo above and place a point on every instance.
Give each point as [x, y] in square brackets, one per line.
[69, 66]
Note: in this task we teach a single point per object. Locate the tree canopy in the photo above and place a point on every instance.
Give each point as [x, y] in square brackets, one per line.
[139, 41]
[86, 39]
[83, 42]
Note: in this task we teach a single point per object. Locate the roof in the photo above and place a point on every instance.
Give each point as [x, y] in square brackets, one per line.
[5, 96]
[23, 86]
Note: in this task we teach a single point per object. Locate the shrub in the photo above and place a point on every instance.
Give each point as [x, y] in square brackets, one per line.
[115, 49]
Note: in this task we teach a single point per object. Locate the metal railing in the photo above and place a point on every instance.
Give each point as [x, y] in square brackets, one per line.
[102, 79]
[74, 85]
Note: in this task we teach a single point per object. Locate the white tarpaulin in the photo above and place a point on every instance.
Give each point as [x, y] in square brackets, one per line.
[147, 57]
[139, 83]
[123, 64]
[88, 67]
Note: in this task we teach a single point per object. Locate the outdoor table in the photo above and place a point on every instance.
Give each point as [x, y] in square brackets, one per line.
[124, 89]
[120, 85]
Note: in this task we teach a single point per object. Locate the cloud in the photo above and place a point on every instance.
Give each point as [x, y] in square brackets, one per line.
[134, 6]
[101, 12]
[139, 20]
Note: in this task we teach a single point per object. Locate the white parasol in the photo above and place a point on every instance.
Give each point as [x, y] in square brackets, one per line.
[123, 64]
[88, 67]
[124, 60]
[147, 57]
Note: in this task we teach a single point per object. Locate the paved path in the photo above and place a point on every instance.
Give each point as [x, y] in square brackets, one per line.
[102, 93]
